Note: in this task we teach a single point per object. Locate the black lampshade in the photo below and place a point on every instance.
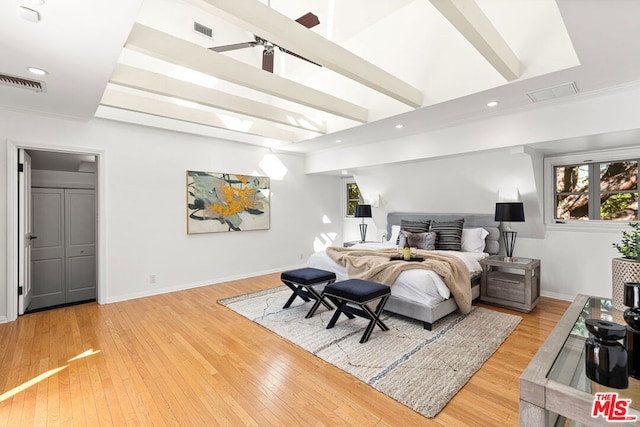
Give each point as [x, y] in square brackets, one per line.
[509, 212]
[363, 211]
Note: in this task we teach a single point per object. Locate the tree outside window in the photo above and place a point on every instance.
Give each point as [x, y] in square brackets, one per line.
[354, 198]
[597, 191]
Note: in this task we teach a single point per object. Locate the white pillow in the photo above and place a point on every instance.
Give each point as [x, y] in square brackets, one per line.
[395, 233]
[473, 239]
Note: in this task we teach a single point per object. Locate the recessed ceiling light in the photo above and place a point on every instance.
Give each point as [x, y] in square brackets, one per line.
[492, 103]
[399, 126]
[338, 140]
[37, 71]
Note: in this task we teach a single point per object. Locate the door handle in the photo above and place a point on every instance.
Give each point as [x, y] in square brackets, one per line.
[33, 237]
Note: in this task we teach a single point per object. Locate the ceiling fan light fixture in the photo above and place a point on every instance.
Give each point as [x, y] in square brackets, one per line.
[308, 20]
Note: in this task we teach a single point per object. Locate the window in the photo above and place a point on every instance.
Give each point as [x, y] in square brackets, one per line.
[604, 190]
[353, 198]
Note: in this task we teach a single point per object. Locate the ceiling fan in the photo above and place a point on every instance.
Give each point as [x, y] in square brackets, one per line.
[309, 20]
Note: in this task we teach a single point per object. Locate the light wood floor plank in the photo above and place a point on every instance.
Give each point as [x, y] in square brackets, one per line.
[183, 359]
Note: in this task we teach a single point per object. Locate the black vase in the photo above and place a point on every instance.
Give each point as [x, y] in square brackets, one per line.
[632, 317]
[632, 294]
[606, 360]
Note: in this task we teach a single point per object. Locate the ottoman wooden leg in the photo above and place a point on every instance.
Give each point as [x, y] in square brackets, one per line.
[375, 319]
[351, 298]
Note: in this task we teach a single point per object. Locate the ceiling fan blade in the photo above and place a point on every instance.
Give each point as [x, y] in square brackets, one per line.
[309, 20]
[267, 60]
[235, 46]
[301, 57]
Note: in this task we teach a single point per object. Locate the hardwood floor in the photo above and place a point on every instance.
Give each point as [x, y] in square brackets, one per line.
[182, 359]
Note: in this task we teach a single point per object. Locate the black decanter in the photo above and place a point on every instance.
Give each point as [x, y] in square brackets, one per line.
[606, 358]
[632, 317]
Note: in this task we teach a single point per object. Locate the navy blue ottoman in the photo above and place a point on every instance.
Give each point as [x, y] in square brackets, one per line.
[351, 298]
[302, 281]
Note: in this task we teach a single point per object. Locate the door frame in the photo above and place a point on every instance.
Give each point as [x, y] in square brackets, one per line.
[25, 226]
[12, 218]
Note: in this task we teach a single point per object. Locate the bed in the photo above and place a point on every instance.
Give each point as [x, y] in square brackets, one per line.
[422, 294]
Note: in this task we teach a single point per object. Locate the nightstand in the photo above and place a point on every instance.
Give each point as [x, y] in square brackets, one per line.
[513, 283]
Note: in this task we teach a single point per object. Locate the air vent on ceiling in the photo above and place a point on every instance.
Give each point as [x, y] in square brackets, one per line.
[203, 29]
[23, 83]
[553, 92]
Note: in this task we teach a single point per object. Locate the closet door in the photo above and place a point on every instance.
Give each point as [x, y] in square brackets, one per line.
[47, 254]
[80, 245]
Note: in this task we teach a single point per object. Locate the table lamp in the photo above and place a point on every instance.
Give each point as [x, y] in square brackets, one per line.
[363, 211]
[509, 212]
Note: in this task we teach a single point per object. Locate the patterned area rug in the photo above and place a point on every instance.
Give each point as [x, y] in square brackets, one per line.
[419, 368]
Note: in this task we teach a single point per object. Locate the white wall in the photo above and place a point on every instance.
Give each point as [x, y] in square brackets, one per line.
[145, 176]
[573, 261]
[465, 184]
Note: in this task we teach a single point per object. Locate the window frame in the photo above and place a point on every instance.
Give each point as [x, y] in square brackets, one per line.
[345, 199]
[591, 158]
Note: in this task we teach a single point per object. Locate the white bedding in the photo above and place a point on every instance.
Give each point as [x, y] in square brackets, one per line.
[422, 286]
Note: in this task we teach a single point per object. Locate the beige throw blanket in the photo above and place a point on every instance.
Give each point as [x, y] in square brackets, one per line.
[374, 265]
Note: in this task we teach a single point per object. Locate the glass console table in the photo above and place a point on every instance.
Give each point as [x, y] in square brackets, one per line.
[554, 389]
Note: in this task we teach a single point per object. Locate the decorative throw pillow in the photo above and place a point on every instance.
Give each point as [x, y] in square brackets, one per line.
[414, 226]
[449, 234]
[473, 239]
[426, 241]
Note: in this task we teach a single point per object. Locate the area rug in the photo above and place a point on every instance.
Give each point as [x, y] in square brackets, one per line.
[419, 368]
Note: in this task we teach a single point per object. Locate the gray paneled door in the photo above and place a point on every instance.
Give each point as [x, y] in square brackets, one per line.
[64, 253]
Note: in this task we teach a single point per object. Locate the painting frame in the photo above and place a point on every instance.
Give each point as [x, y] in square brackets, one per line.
[219, 202]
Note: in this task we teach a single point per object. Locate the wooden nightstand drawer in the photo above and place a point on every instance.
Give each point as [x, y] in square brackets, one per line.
[502, 283]
[506, 286]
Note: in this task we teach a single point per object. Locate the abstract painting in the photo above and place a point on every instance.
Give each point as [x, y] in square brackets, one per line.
[220, 202]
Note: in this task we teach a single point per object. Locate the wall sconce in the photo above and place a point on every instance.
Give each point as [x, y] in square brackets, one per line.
[372, 199]
[508, 194]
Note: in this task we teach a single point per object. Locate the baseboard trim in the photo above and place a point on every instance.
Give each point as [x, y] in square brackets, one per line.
[199, 284]
[556, 295]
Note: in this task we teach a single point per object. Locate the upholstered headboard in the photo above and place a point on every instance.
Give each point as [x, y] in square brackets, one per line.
[485, 221]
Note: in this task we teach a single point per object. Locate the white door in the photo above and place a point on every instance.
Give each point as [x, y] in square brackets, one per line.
[25, 290]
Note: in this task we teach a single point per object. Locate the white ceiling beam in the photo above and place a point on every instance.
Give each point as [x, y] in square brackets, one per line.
[136, 78]
[467, 17]
[158, 44]
[156, 107]
[270, 24]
